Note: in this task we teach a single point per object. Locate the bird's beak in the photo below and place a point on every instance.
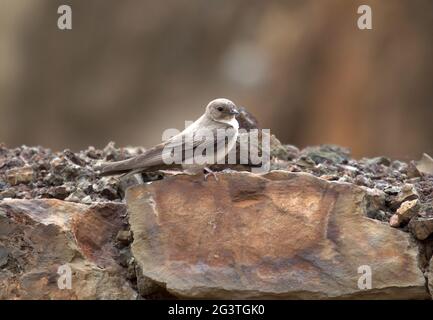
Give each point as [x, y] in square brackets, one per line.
[234, 112]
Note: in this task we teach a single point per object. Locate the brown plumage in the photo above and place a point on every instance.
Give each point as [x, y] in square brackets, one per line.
[219, 114]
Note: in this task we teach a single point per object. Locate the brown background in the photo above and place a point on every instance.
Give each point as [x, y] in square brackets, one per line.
[130, 69]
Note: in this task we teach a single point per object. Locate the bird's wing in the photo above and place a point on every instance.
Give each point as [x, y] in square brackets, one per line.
[151, 157]
[184, 146]
[173, 147]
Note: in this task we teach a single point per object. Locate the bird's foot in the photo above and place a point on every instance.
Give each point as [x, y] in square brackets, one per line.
[208, 173]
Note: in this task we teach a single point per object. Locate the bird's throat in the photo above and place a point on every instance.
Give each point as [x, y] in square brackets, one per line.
[232, 122]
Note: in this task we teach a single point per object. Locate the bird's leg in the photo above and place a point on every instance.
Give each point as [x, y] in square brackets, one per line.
[209, 172]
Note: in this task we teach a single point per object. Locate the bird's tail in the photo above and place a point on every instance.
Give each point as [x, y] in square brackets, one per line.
[114, 168]
[150, 158]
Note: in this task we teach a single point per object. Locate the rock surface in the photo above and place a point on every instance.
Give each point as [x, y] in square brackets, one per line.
[280, 235]
[246, 235]
[421, 228]
[19, 175]
[40, 237]
[425, 165]
[407, 211]
[430, 276]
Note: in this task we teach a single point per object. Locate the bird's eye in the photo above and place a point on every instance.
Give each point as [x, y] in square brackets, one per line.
[220, 108]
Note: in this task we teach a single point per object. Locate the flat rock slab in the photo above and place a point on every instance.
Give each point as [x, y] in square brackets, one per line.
[279, 235]
[42, 240]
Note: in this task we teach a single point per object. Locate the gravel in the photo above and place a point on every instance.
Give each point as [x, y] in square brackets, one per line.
[37, 172]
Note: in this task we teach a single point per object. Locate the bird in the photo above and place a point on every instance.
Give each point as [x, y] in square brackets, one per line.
[219, 114]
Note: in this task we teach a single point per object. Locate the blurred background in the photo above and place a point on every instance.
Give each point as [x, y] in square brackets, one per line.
[130, 69]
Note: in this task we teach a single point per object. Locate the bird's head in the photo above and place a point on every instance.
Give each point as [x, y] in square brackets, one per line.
[221, 110]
